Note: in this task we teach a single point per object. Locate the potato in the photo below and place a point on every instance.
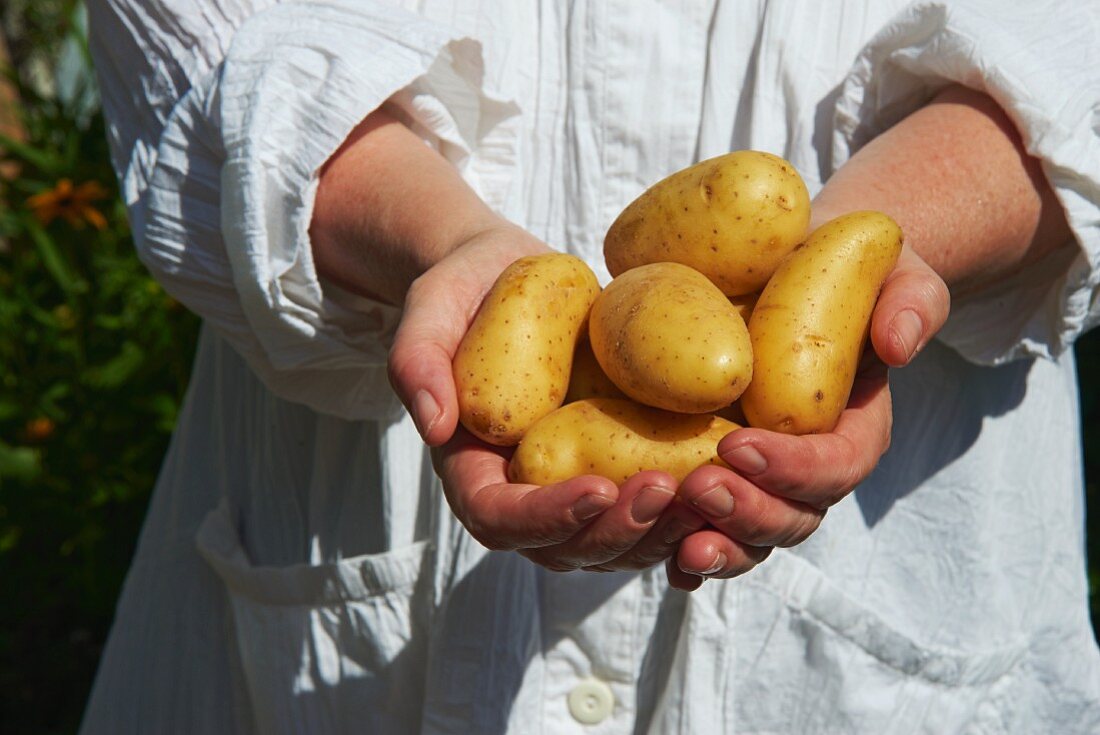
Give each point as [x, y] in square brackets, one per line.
[512, 367]
[732, 218]
[669, 338]
[615, 438]
[810, 324]
[588, 380]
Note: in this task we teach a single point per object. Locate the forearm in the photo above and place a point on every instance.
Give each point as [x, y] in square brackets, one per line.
[955, 176]
[388, 207]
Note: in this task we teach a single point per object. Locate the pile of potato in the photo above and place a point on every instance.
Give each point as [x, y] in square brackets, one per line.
[720, 306]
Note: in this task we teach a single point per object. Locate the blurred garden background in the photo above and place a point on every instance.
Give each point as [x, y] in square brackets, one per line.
[94, 360]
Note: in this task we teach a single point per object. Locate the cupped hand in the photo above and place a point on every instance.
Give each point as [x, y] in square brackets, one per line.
[779, 486]
[439, 307]
[586, 522]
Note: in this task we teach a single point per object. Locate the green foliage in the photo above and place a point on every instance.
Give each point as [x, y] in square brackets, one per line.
[94, 359]
[1088, 370]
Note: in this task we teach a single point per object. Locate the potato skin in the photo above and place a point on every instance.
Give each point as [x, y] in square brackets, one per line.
[732, 218]
[615, 438]
[668, 338]
[810, 324]
[512, 367]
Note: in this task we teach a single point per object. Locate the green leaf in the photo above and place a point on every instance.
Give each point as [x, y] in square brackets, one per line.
[54, 261]
[22, 463]
[43, 160]
[9, 537]
[109, 322]
[9, 409]
[118, 370]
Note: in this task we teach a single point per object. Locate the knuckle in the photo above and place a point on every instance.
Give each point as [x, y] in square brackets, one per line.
[493, 544]
[852, 471]
[645, 559]
[760, 553]
[486, 537]
[551, 560]
[412, 295]
[614, 548]
[807, 525]
[939, 295]
[756, 526]
[400, 358]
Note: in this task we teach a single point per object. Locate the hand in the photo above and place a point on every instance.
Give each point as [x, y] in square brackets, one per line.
[957, 178]
[780, 486]
[586, 522]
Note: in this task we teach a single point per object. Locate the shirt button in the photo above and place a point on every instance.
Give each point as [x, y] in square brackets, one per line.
[591, 701]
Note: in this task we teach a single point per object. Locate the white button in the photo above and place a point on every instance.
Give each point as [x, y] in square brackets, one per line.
[591, 701]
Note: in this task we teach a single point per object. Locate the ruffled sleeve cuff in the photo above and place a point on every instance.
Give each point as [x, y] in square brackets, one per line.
[226, 220]
[1041, 63]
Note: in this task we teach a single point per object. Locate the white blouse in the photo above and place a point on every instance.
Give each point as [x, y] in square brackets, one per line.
[299, 570]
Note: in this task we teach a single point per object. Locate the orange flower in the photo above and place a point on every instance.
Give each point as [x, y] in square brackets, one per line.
[72, 203]
[39, 429]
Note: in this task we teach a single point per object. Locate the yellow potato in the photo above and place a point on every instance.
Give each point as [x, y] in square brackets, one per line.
[588, 380]
[732, 218]
[615, 438]
[810, 325]
[512, 367]
[668, 338]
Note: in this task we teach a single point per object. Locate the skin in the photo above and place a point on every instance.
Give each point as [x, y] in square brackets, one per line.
[974, 208]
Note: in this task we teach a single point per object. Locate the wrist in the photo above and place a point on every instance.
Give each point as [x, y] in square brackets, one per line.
[388, 207]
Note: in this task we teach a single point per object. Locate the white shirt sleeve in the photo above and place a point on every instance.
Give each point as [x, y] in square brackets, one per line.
[222, 206]
[1040, 61]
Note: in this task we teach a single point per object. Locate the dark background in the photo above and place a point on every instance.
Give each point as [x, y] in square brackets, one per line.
[94, 359]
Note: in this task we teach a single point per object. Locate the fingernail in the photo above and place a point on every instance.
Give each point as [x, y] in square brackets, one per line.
[747, 460]
[717, 566]
[425, 412]
[908, 328]
[717, 502]
[591, 505]
[649, 504]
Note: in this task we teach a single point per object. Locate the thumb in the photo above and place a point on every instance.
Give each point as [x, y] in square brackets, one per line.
[420, 361]
[912, 307]
[439, 307]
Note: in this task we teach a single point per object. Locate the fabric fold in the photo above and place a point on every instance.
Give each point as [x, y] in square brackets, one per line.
[1030, 62]
[225, 224]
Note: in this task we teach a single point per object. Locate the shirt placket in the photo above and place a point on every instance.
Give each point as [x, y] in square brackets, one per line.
[592, 654]
[596, 629]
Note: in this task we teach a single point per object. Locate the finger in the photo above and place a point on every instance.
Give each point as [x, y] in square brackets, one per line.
[642, 500]
[912, 307]
[714, 555]
[420, 360]
[818, 469]
[504, 516]
[744, 512]
[681, 580]
[660, 541]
